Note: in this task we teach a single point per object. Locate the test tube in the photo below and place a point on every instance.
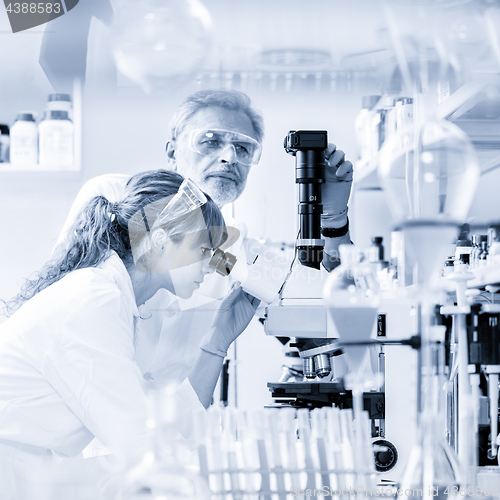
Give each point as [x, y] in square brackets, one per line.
[229, 446]
[273, 435]
[305, 437]
[200, 440]
[346, 432]
[318, 433]
[335, 446]
[214, 432]
[265, 473]
[288, 425]
[246, 436]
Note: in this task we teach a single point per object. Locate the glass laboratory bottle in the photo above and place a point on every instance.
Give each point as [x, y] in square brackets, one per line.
[56, 139]
[163, 473]
[376, 251]
[4, 143]
[24, 140]
[482, 243]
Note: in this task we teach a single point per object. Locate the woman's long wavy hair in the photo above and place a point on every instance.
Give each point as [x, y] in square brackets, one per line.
[103, 226]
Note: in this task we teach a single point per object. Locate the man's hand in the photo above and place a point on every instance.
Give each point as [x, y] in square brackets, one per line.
[337, 187]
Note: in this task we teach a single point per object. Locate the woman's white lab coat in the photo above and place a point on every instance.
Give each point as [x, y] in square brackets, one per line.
[67, 371]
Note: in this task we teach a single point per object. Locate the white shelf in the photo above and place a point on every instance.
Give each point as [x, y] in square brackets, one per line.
[36, 168]
[489, 275]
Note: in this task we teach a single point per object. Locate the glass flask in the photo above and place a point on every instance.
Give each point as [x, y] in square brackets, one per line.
[352, 297]
[160, 44]
[163, 473]
[431, 173]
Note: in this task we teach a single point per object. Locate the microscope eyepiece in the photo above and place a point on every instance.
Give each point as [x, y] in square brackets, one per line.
[222, 262]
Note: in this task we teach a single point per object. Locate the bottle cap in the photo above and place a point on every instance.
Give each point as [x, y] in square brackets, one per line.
[55, 115]
[59, 97]
[25, 117]
[464, 243]
[4, 129]
[377, 240]
[369, 101]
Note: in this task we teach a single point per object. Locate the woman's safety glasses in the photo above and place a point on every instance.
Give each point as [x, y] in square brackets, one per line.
[188, 198]
[215, 142]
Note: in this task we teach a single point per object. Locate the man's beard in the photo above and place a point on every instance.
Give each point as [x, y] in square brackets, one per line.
[222, 191]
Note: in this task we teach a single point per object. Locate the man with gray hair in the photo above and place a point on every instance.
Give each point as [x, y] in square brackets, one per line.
[219, 169]
[215, 138]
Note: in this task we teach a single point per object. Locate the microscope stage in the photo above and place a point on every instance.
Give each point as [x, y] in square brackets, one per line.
[319, 394]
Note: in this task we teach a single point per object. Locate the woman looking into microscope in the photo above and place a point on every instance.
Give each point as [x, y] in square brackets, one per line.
[67, 368]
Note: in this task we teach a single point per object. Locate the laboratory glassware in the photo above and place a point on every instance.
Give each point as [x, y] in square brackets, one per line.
[160, 44]
[24, 140]
[430, 175]
[164, 473]
[352, 296]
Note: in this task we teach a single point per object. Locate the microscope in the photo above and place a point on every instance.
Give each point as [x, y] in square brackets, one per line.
[298, 317]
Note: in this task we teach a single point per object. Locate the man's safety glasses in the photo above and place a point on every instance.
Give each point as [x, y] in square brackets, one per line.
[215, 142]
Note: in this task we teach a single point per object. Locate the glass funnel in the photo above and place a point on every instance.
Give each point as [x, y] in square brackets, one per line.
[352, 296]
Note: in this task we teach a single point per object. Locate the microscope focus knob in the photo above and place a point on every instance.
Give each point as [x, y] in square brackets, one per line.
[385, 459]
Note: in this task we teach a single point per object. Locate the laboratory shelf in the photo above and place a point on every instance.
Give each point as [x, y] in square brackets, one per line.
[9, 172]
[8, 167]
[11, 175]
[451, 108]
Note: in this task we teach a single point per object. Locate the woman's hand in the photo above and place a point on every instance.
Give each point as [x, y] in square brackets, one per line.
[231, 318]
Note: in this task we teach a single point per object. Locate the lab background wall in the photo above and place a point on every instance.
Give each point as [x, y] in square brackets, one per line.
[124, 131]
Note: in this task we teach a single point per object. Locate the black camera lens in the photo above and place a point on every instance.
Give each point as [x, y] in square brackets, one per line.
[308, 147]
